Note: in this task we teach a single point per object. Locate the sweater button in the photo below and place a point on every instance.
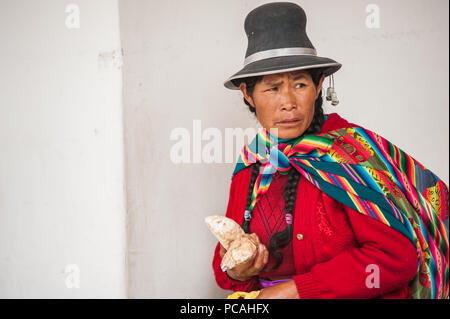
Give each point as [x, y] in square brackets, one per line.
[299, 236]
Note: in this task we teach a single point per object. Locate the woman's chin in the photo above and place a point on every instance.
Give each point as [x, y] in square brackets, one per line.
[289, 132]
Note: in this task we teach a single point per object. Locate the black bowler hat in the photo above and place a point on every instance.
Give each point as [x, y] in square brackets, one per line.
[277, 42]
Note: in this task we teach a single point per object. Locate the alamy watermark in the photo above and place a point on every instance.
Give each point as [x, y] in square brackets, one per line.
[373, 279]
[73, 17]
[373, 18]
[210, 145]
[73, 276]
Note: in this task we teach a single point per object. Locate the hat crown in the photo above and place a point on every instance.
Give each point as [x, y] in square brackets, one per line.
[274, 26]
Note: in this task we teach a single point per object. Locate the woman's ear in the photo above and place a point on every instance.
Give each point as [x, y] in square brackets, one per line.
[248, 98]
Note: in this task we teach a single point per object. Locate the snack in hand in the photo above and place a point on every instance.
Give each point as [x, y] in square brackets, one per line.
[239, 245]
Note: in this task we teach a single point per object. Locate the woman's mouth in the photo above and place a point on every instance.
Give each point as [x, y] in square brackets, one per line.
[290, 122]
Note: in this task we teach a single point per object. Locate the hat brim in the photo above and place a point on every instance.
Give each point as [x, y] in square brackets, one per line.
[283, 64]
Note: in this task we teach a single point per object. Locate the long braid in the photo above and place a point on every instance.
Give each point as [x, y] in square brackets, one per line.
[282, 238]
[254, 174]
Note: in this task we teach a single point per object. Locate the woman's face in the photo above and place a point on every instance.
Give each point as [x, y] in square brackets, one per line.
[285, 102]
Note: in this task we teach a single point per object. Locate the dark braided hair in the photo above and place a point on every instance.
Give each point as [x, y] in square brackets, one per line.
[282, 238]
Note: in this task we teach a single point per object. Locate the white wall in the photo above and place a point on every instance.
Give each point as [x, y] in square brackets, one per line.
[394, 80]
[62, 198]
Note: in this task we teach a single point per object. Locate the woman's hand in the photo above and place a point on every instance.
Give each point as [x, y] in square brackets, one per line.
[253, 265]
[285, 290]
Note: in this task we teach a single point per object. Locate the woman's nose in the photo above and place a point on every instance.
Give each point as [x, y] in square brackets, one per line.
[288, 99]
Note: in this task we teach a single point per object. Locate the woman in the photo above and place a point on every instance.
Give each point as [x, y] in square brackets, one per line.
[319, 239]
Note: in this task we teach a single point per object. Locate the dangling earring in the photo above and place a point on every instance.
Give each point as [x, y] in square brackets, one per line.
[331, 93]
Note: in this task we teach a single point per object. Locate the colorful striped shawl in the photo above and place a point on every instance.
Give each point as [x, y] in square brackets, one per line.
[366, 172]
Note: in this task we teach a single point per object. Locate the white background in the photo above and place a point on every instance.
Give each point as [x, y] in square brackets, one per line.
[62, 199]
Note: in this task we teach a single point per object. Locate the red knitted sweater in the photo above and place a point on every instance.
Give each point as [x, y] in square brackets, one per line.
[336, 252]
